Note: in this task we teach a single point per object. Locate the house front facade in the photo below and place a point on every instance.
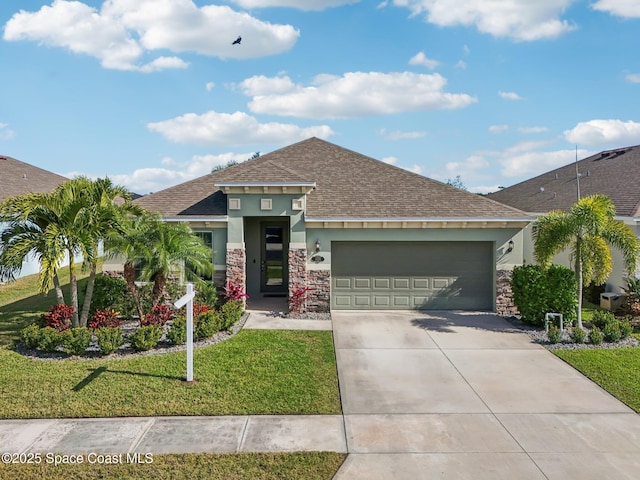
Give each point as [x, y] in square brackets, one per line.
[357, 232]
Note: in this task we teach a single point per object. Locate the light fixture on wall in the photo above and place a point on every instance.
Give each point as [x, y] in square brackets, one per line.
[510, 246]
[317, 246]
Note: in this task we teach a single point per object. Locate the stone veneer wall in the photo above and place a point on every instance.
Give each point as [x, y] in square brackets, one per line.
[237, 267]
[319, 298]
[297, 273]
[504, 295]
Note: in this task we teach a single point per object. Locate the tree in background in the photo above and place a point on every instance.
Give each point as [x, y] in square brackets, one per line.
[588, 230]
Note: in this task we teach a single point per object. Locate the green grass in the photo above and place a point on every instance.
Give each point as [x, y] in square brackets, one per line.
[253, 466]
[255, 372]
[617, 370]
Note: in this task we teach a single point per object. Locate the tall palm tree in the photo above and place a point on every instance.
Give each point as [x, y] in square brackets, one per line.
[588, 230]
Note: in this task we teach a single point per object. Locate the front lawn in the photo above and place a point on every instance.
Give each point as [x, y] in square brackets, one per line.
[244, 466]
[255, 372]
[617, 370]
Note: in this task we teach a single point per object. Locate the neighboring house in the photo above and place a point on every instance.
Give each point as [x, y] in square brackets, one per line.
[18, 178]
[614, 173]
[361, 233]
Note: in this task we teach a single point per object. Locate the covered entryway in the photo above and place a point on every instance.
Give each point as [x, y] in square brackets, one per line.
[412, 275]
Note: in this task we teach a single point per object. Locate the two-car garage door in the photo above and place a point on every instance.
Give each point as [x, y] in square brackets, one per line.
[412, 275]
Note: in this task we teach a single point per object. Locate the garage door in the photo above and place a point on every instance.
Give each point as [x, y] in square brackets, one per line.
[412, 275]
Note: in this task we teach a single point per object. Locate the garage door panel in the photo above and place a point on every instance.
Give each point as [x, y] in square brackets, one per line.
[420, 275]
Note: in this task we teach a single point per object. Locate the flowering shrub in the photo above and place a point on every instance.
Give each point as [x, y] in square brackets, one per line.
[107, 318]
[200, 308]
[159, 315]
[59, 317]
[234, 292]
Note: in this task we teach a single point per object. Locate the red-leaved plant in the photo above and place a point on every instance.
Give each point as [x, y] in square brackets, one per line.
[159, 315]
[105, 318]
[234, 292]
[298, 299]
[200, 308]
[59, 316]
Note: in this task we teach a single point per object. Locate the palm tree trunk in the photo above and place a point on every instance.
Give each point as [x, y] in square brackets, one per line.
[73, 281]
[130, 277]
[159, 284]
[579, 274]
[86, 306]
[58, 288]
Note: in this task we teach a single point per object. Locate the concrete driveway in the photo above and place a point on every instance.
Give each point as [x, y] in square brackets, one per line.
[465, 396]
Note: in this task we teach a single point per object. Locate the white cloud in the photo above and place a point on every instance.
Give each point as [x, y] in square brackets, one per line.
[122, 31]
[415, 169]
[461, 64]
[299, 4]
[528, 130]
[469, 167]
[633, 77]
[382, 4]
[398, 135]
[484, 189]
[209, 86]
[496, 129]
[355, 94]
[603, 132]
[6, 133]
[526, 160]
[621, 8]
[509, 96]
[213, 128]
[421, 59]
[390, 160]
[521, 20]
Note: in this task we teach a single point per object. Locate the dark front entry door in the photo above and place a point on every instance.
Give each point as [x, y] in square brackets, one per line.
[274, 258]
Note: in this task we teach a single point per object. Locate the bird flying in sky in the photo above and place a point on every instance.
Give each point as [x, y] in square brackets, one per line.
[237, 41]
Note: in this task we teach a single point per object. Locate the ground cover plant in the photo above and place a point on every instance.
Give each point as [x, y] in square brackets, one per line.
[244, 466]
[254, 372]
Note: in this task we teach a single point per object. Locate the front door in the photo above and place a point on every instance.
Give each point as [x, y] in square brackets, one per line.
[274, 257]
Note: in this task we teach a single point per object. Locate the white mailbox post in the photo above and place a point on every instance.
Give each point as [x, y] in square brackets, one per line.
[187, 300]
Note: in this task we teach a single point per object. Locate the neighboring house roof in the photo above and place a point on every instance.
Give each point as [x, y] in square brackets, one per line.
[18, 178]
[348, 185]
[614, 173]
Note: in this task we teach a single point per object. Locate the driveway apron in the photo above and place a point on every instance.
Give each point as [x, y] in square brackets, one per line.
[465, 395]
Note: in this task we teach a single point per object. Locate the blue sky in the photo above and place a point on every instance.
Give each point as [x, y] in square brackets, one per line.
[152, 93]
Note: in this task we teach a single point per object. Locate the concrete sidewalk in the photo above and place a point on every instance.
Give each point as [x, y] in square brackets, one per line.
[230, 434]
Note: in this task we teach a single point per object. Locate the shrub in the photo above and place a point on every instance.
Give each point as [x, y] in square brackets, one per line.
[595, 336]
[200, 308]
[578, 335]
[554, 334]
[109, 339]
[234, 292]
[30, 336]
[611, 332]
[207, 324]
[601, 318]
[145, 337]
[50, 339]
[76, 340]
[206, 293]
[109, 293]
[537, 291]
[59, 316]
[231, 313]
[159, 315]
[178, 332]
[298, 299]
[626, 329]
[104, 318]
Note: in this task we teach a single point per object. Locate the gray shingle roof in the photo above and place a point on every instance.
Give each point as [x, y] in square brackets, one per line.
[615, 173]
[348, 185]
[18, 178]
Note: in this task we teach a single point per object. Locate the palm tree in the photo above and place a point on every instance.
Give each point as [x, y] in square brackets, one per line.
[588, 230]
[26, 234]
[159, 248]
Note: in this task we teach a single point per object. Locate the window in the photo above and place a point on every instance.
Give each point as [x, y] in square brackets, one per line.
[207, 239]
